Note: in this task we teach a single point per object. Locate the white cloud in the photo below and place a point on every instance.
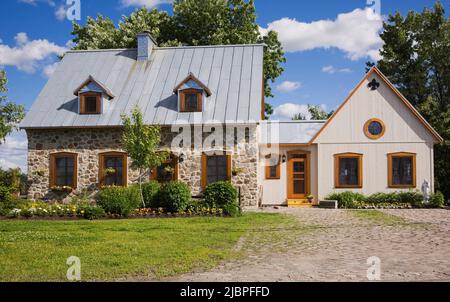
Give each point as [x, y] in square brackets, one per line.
[34, 2]
[146, 3]
[331, 70]
[356, 33]
[49, 69]
[288, 86]
[13, 151]
[61, 13]
[27, 54]
[287, 111]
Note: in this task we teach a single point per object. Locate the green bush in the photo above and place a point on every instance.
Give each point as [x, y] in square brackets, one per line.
[174, 196]
[437, 200]
[91, 212]
[384, 198]
[7, 201]
[414, 198]
[119, 200]
[223, 195]
[150, 192]
[347, 199]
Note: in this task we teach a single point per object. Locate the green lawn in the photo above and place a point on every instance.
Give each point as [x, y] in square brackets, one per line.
[109, 249]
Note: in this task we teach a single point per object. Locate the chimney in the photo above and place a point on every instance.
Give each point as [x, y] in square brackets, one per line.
[145, 46]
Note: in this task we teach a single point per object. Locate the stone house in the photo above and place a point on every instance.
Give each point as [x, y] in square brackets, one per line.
[209, 102]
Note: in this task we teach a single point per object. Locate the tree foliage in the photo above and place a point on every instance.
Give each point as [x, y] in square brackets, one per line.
[416, 60]
[10, 113]
[317, 113]
[141, 142]
[194, 22]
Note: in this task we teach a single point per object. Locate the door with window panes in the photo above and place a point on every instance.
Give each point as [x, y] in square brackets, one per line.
[297, 170]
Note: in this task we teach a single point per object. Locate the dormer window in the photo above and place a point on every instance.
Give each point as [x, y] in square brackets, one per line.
[191, 94]
[90, 103]
[91, 94]
[190, 100]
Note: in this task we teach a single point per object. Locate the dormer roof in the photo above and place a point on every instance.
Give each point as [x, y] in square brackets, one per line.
[92, 85]
[191, 82]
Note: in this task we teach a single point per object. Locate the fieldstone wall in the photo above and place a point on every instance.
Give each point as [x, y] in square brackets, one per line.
[88, 143]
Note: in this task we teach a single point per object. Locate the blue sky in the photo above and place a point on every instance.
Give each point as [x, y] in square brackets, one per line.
[327, 43]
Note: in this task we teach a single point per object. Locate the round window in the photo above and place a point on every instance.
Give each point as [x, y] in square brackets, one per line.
[374, 129]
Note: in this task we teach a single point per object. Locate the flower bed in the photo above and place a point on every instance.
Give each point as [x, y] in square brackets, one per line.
[160, 212]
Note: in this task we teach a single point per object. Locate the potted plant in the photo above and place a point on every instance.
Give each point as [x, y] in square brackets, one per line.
[310, 198]
[62, 189]
[110, 171]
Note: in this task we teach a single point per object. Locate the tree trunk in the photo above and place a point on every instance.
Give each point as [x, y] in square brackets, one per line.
[140, 187]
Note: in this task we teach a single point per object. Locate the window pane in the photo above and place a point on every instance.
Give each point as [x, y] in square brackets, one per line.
[216, 168]
[299, 186]
[273, 171]
[114, 173]
[90, 104]
[190, 103]
[375, 128]
[348, 171]
[64, 171]
[402, 170]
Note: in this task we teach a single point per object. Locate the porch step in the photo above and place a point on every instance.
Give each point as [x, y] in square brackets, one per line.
[299, 203]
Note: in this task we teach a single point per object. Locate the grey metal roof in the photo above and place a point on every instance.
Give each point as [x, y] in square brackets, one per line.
[233, 73]
[295, 132]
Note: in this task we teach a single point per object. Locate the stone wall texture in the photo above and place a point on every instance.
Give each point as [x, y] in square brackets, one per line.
[89, 143]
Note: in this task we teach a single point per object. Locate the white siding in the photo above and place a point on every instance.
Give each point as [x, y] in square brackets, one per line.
[375, 165]
[275, 191]
[401, 124]
[345, 133]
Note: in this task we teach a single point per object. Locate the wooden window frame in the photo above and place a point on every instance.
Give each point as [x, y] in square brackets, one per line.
[101, 167]
[197, 92]
[173, 160]
[337, 158]
[53, 158]
[82, 98]
[278, 171]
[391, 156]
[204, 179]
[370, 135]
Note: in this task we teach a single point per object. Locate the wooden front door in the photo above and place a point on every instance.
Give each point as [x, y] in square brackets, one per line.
[298, 174]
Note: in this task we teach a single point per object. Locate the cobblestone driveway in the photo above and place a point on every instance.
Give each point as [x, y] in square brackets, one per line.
[341, 243]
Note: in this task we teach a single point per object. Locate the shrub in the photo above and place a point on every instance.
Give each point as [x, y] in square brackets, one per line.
[91, 212]
[150, 192]
[119, 200]
[223, 195]
[174, 196]
[384, 198]
[437, 200]
[346, 199]
[414, 198]
[7, 201]
[5, 194]
[219, 194]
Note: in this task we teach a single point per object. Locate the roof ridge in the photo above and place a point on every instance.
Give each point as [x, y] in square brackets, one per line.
[163, 48]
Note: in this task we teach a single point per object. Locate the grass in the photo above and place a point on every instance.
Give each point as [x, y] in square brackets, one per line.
[379, 217]
[111, 249]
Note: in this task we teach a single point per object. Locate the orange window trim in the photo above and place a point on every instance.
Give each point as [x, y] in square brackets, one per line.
[268, 176]
[83, 102]
[183, 100]
[204, 178]
[337, 158]
[53, 158]
[101, 166]
[391, 156]
[370, 135]
[174, 162]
